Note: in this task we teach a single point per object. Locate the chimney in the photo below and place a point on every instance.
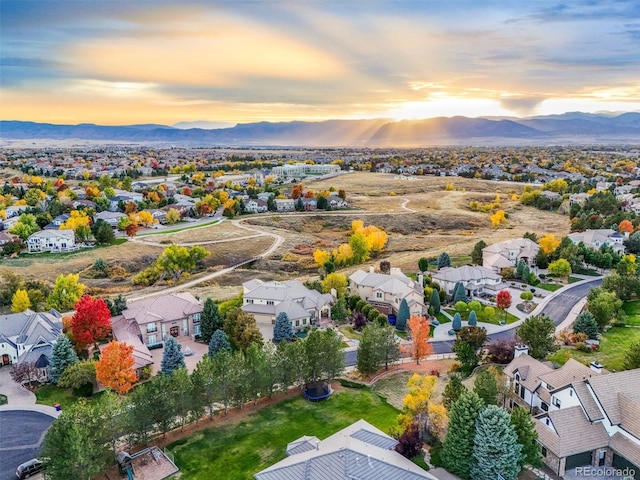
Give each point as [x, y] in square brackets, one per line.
[520, 350]
[596, 367]
[420, 280]
[371, 269]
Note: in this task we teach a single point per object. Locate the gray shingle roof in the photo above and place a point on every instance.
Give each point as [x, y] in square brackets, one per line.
[162, 308]
[607, 387]
[465, 273]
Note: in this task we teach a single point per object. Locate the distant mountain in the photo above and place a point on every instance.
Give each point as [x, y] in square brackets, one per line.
[202, 124]
[573, 127]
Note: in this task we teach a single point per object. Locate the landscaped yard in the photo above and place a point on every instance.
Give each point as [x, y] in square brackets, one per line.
[244, 449]
[495, 319]
[632, 311]
[50, 395]
[613, 346]
[350, 333]
[550, 287]
[442, 318]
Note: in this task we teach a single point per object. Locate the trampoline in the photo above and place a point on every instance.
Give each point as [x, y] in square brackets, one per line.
[317, 391]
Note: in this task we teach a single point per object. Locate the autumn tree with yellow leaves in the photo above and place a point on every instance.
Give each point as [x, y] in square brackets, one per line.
[363, 243]
[549, 243]
[418, 409]
[498, 218]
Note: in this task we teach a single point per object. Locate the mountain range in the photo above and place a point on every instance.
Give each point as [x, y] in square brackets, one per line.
[568, 128]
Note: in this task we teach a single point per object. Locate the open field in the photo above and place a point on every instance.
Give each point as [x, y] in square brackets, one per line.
[222, 231]
[260, 440]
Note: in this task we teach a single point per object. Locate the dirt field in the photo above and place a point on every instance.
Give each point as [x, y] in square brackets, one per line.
[221, 231]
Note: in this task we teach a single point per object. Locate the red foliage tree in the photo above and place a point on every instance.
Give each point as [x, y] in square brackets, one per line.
[115, 367]
[131, 230]
[625, 226]
[409, 443]
[92, 320]
[503, 301]
[420, 329]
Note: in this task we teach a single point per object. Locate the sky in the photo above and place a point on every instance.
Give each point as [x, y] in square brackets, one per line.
[117, 62]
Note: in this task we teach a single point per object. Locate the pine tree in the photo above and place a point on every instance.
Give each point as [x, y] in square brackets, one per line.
[444, 260]
[457, 448]
[586, 323]
[62, 356]
[452, 391]
[210, 320]
[459, 293]
[496, 450]
[486, 386]
[476, 253]
[473, 319]
[435, 301]
[282, 329]
[456, 324]
[519, 269]
[172, 357]
[403, 316]
[527, 436]
[219, 341]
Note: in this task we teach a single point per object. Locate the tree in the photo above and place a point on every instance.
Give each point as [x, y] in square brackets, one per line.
[385, 267]
[20, 301]
[117, 305]
[526, 296]
[525, 430]
[501, 351]
[409, 442]
[559, 268]
[92, 320]
[542, 259]
[549, 243]
[173, 216]
[457, 449]
[452, 391]
[323, 356]
[175, 260]
[503, 301]
[378, 347]
[459, 293]
[466, 355]
[416, 403]
[219, 341]
[633, 243]
[103, 233]
[282, 330]
[403, 316]
[520, 269]
[486, 387]
[115, 367]
[538, 333]
[473, 319]
[420, 330]
[210, 320]
[242, 328]
[63, 356]
[444, 260]
[423, 264]
[625, 226]
[66, 292]
[339, 311]
[498, 218]
[337, 281]
[78, 376]
[476, 253]
[603, 305]
[474, 336]
[435, 301]
[456, 324]
[632, 357]
[586, 323]
[25, 226]
[496, 450]
[172, 357]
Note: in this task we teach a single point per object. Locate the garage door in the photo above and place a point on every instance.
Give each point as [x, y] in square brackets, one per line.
[622, 463]
[578, 460]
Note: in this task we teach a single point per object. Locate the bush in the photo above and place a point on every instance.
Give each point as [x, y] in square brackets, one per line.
[85, 390]
[435, 372]
[542, 276]
[155, 346]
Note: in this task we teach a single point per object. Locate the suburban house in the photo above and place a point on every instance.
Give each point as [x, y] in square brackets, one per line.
[28, 337]
[7, 238]
[386, 292]
[256, 206]
[578, 198]
[56, 222]
[358, 451]
[52, 241]
[157, 318]
[160, 216]
[285, 204]
[300, 170]
[599, 238]
[584, 416]
[265, 300]
[130, 333]
[112, 218]
[476, 280]
[507, 254]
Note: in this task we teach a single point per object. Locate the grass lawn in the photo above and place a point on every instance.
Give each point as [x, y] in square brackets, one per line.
[350, 333]
[260, 440]
[632, 311]
[50, 395]
[613, 346]
[550, 287]
[574, 279]
[442, 318]
[495, 320]
[3, 399]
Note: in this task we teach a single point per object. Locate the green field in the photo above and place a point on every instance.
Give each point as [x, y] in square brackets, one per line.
[613, 346]
[260, 440]
[632, 311]
[550, 287]
[50, 395]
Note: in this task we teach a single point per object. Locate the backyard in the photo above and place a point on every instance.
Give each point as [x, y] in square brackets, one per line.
[243, 449]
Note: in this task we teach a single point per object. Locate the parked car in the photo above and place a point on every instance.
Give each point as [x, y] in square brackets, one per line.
[29, 468]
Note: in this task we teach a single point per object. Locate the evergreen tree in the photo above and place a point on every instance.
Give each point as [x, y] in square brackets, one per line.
[403, 316]
[519, 269]
[219, 341]
[452, 391]
[282, 329]
[632, 357]
[339, 311]
[172, 357]
[586, 323]
[527, 436]
[473, 319]
[444, 260]
[423, 264]
[435, 301]
[62, 356]
[496, 450]
[459, 293]
[210, 320]
[117, 305]
[457, 448]
[486, 386]
[456, 324]
[476, 253]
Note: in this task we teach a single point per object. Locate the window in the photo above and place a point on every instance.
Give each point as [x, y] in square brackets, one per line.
[196, 330]
[544, 407]
[556, 401]
[378, 294]
[269, 302]
[151, 339]
[571, 392]
[304, 321]
[297, 323]
[543, 451]
[151, 327]
[196, 317]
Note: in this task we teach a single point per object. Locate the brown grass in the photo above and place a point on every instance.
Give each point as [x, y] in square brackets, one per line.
[221, 231]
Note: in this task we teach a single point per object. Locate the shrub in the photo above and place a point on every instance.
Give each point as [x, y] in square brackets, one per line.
[435, 372]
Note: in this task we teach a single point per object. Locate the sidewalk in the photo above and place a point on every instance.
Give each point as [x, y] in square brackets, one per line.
[19, 398]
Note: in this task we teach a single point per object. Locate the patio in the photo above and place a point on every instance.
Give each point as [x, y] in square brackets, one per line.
[198, 351]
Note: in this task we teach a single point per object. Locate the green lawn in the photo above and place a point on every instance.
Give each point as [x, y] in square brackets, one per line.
[246, 448]
[550, 287]
[613, 346]
[50, 395]
[3, 399]
[350, 333]
[574, 279]
[632, 311]
[495, 320]
[442, 318]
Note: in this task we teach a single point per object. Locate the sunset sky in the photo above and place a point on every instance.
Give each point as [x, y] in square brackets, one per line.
[146, 61]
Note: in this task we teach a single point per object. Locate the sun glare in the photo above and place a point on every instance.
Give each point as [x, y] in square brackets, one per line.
[447, 106]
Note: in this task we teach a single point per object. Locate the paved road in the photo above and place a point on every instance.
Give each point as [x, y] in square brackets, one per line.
[560, 305]
[22, 434]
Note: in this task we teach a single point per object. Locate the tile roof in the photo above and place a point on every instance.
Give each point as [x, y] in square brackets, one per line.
[530, 370]
[572, 371]
[171, 307]
[465, 273]
[607, 387]
[625, 447]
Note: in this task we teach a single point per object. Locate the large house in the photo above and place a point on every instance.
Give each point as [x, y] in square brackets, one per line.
[599, 238]
[386, 292]
[584, 416]
[28, 337]
[154, 319]
[358, 451]
[300, 170]
[125, 331]
[476, 280]
[507, 254]
[52, 241]
[265, 300]
[112, 218]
